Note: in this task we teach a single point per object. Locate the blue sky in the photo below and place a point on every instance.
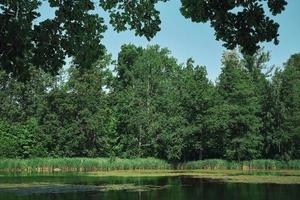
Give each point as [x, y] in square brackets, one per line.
[186, 39]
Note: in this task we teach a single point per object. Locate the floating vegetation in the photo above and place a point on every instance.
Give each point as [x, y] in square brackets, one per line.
[64, 188]
[132, 187]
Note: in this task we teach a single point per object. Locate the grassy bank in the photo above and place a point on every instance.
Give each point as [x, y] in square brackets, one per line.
[80, 164]
[226, 176]
[106, 164]
[244, 165]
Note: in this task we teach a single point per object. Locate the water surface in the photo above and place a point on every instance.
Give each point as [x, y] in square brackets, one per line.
[75, 187]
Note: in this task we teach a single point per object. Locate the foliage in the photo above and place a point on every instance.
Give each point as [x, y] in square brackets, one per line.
[141, 16]
[146, 103]
[78, 120]
[241, 22]
[151, 106]
[237, 23]
[76, 30]
[20, 140]
[239, 106]
[27, 40]
[290, 95]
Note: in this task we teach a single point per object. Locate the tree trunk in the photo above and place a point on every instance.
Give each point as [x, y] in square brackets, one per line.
[200, 154]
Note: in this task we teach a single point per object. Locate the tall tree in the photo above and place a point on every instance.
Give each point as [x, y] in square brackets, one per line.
[291, 98]
[240, 106]
[274, 112]
[21, 107]
[196, 96]
[259, 72]
[146, 103]
[78, 119]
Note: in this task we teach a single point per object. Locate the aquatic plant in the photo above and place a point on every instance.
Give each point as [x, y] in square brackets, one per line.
[263, 164]
[107, 164]
[81, 164]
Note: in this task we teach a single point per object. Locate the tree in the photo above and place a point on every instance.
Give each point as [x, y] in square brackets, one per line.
[274, 112]
[290, 94]
[78, 120]
[76, 30]
[242, 22]
[8, 141]
[236, 22]
[147, 103]
[282, 127]
[20, 140]
[238, 98]
[22, 105]
[141, 16]
[196, 97]
[266, 97]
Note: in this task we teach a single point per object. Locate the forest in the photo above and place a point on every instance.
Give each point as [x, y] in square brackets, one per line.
[146, 104]
[149, 99]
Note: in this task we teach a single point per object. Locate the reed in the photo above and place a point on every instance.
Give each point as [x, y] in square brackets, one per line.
[108, 164]
[205, 164]
[80, 164]
[263, 164]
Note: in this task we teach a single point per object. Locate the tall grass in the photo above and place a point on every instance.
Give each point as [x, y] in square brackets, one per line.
[80, 164]
[106, 164]
[205, 164]
[243, 165]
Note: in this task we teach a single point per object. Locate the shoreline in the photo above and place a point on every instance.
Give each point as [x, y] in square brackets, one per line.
[222, 176]
[108, 165]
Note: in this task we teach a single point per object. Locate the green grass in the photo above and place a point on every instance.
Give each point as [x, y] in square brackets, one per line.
[205, 164]
[243, 165]
[107, 164]
[80, 164]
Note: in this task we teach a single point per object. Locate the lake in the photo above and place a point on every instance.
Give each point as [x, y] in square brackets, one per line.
[75, 187]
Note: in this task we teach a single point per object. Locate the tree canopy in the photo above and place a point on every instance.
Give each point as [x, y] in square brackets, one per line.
[152, 106]
[144, 104]
[241, 23]
[76, 30]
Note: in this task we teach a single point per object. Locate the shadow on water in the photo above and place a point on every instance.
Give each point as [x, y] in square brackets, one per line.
[74, 187]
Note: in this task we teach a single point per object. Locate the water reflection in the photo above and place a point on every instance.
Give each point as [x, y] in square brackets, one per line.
[139, 188]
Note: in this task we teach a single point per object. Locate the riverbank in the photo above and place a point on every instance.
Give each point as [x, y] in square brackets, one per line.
[219, 176]
[231, 176]
[49, 165]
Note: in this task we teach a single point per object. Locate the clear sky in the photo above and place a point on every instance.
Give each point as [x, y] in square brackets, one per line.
[186, 39]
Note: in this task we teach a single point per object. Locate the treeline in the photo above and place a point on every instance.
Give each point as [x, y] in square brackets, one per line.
[151, 106]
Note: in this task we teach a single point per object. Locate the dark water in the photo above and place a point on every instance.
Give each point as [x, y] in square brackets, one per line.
[74, 187]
